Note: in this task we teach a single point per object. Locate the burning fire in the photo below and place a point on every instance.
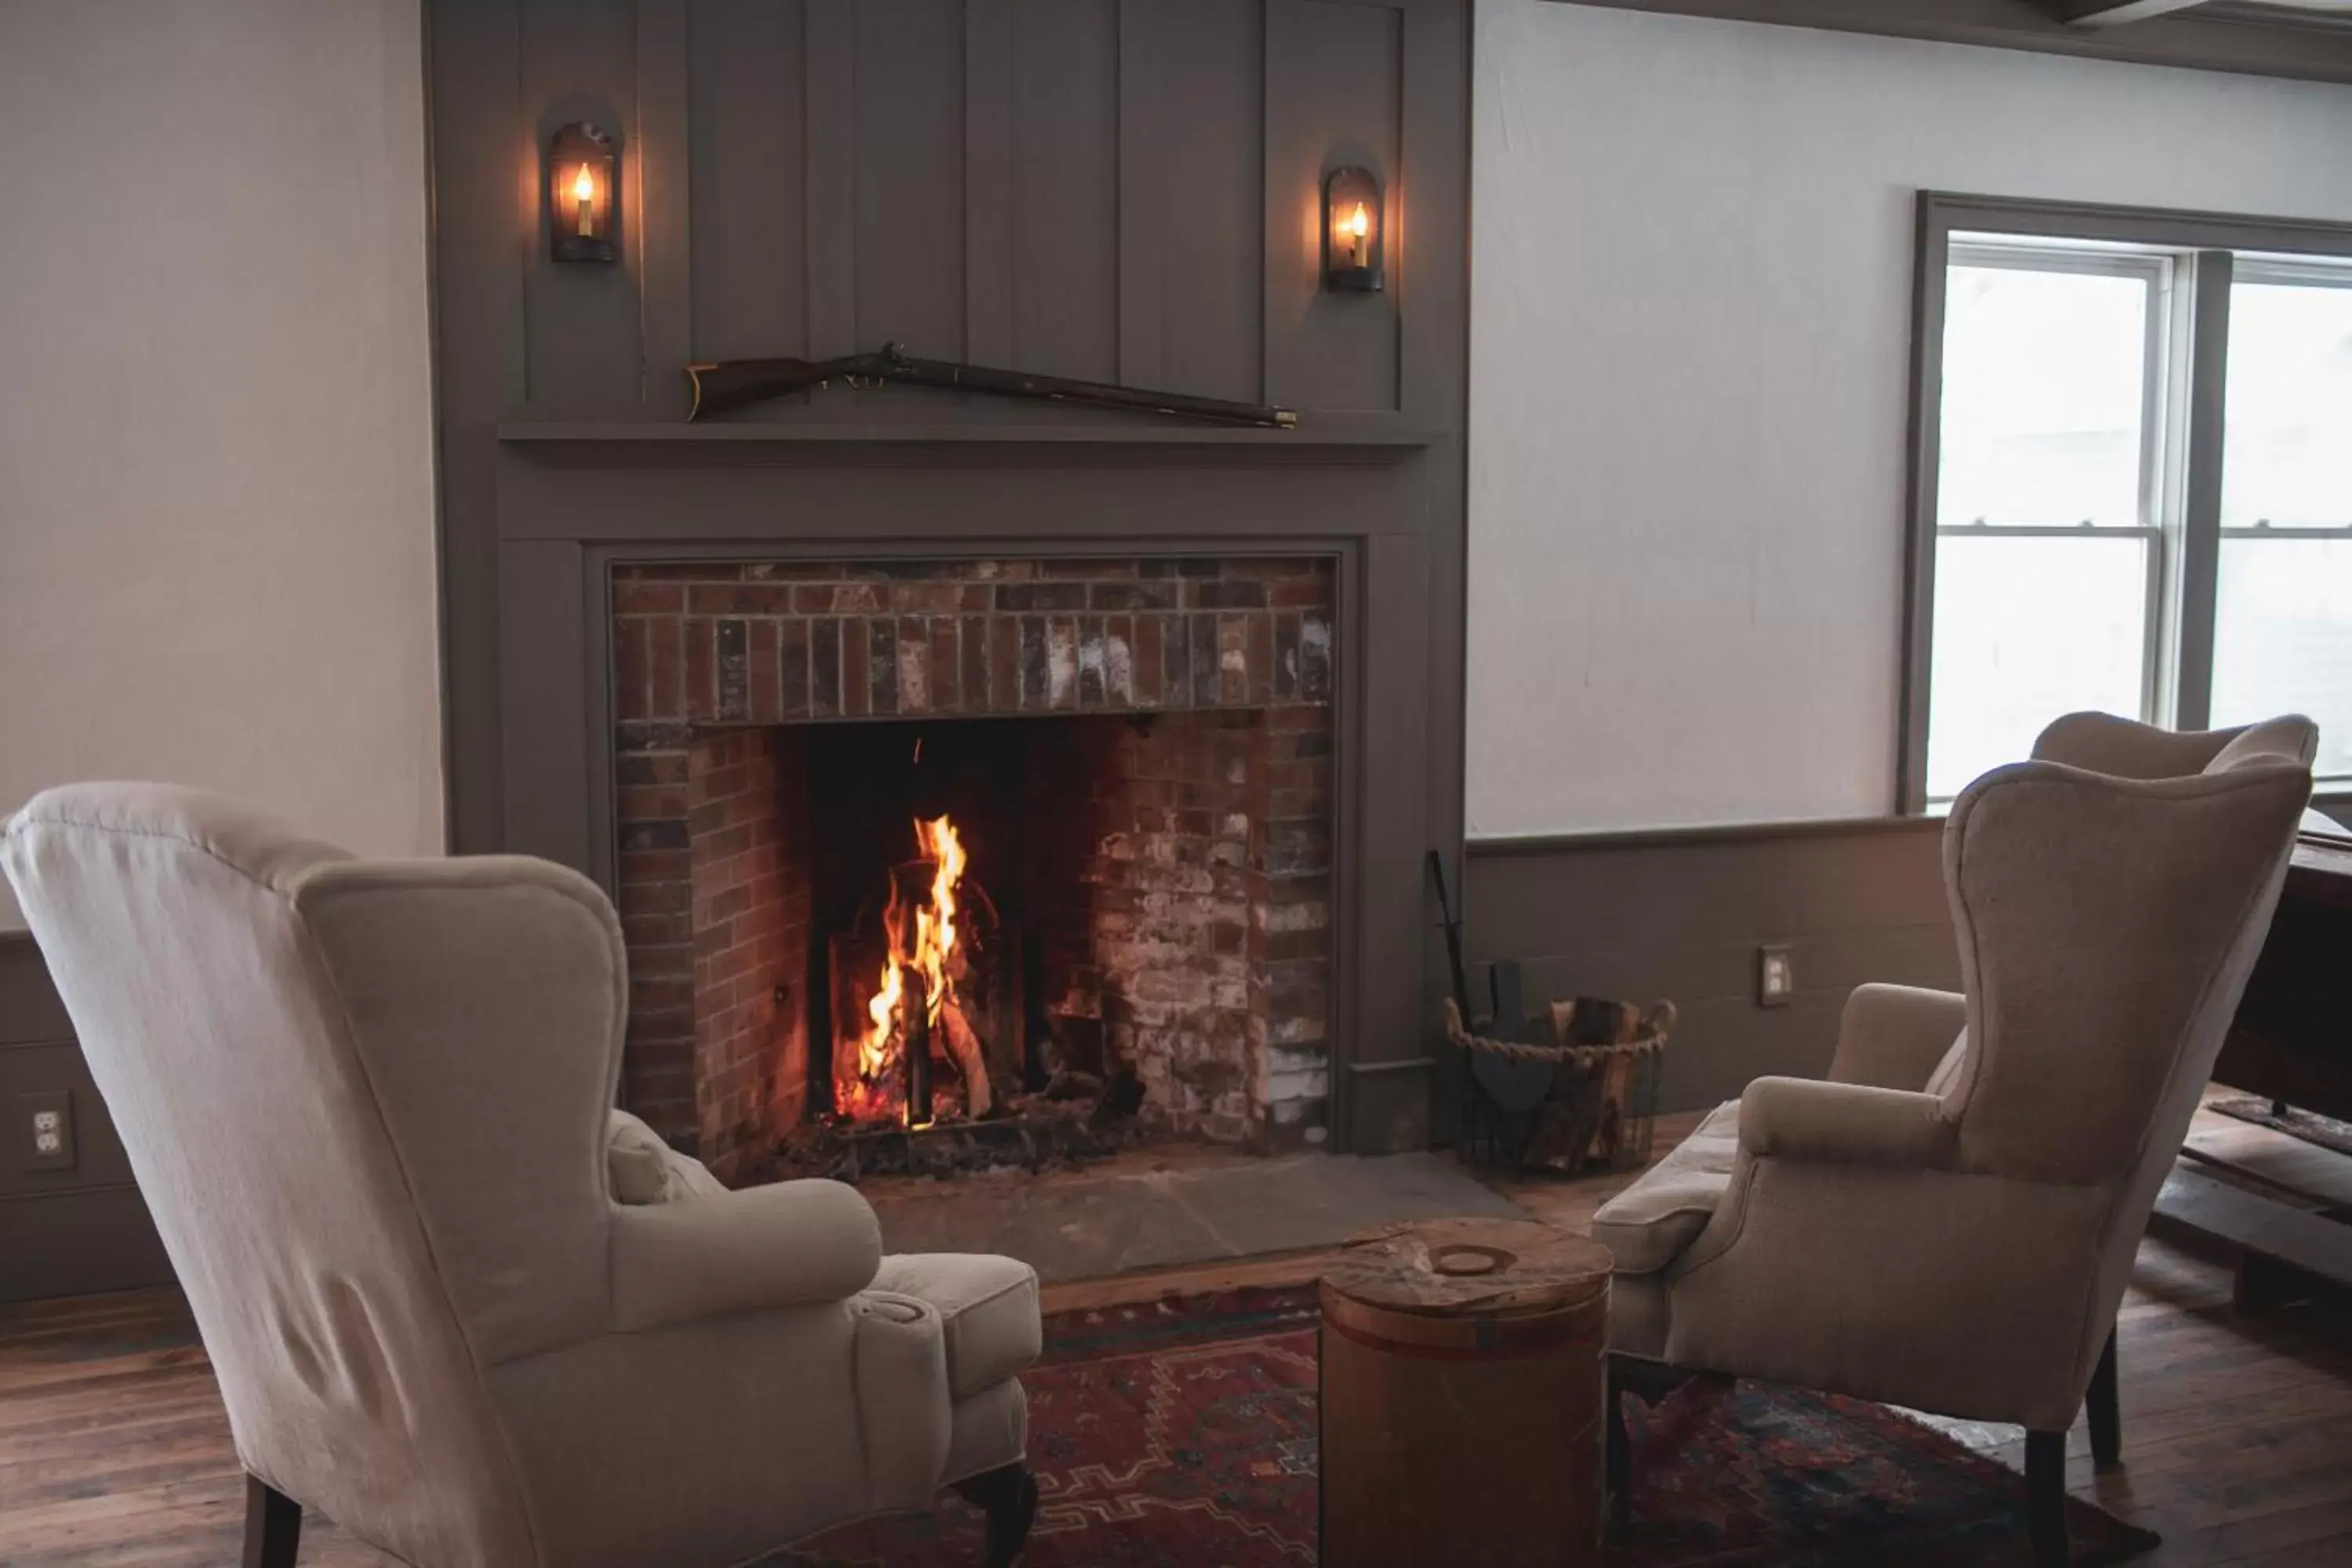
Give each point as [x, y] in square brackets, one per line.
[924, 941]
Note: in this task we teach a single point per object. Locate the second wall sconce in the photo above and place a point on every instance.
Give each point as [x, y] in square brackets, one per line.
[582, 188]
[1353, 240]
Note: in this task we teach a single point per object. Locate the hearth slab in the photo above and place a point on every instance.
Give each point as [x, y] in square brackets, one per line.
[1087, 1227]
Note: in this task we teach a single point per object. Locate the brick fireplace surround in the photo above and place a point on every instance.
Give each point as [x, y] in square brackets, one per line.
[1188, 849]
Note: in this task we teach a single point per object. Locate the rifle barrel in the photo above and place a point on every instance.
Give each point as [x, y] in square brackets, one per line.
[736, 383]
[1100, 394]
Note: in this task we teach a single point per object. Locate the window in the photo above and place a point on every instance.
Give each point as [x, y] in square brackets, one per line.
[2283, 609]
[2132, 478]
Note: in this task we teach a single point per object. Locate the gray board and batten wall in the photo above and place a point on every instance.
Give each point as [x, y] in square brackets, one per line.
[1110, 190]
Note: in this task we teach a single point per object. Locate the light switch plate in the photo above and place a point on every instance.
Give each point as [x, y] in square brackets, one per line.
[45, 1130]
[1775, 974]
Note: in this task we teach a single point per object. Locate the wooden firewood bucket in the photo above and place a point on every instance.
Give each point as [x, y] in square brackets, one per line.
[1579, 1096]
[1462, 1391]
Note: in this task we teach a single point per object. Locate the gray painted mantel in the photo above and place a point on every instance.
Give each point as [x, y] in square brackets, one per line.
[573, 501]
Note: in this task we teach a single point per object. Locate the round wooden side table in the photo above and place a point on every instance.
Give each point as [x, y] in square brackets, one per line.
[1462, 1388]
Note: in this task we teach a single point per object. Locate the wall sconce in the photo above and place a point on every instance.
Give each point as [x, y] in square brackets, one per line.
[580, 191]
[1351, 231]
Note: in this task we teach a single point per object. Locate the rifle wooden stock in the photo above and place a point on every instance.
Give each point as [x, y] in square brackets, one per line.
[719, 388]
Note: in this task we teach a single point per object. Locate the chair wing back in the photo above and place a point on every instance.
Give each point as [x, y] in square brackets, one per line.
[2123, 748]
[2107, 923]
[363, 1102]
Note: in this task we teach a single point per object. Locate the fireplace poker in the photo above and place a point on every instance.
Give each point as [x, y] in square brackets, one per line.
[1453, 937]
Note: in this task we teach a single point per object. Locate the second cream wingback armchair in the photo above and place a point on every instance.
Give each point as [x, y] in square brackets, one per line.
[1949, 1223]
[367, 1103]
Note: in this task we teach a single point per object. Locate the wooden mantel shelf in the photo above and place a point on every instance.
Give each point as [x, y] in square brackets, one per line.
[1367, 433]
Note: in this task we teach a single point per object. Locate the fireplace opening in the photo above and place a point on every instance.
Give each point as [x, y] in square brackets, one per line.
[931, 904]
[1079, 894]
[962, 878]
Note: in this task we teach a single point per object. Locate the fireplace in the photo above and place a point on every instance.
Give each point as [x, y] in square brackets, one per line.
[954, 842]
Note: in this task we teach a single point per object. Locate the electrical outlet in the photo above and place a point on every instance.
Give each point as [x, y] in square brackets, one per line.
[46, 1118]
[1775, 974]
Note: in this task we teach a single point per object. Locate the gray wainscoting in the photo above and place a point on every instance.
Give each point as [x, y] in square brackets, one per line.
[62, 1232]
[1681, 913]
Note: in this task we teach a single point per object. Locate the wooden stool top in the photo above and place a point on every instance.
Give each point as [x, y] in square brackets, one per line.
[1465, 1268]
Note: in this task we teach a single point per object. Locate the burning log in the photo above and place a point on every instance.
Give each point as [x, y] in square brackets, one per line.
[924, 990]
[916, 1047]
[964, 1050]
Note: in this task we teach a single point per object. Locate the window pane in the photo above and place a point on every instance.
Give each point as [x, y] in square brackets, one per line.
[2286, 446]
[2027, 629]
[2283, 637]
[2043, 381]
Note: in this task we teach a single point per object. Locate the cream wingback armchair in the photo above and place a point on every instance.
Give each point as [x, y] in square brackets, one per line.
[1949, 1223]
[367, 1103]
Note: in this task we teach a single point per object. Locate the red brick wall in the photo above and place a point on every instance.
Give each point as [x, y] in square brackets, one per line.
[655, 893]
[748, 852]
[769, 643]
[1193, 846]
[1147, 951]
[1290, 922]
[1188, 926]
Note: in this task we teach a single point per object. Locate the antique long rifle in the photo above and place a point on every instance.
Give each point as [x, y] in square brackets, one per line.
[738, 383]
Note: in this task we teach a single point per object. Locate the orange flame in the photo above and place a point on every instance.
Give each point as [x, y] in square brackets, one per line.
[932, 952]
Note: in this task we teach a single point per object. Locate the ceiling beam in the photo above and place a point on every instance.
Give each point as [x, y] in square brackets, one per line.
[2221, 36]
[2113, 13]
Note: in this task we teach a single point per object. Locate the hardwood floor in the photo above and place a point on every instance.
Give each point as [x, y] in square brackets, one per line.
[114, 1449]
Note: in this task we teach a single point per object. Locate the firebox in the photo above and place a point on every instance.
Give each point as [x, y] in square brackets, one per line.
[941, 843]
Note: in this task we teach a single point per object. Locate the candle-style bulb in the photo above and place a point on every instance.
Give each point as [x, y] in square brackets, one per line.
[1358, 226]
[583, 197]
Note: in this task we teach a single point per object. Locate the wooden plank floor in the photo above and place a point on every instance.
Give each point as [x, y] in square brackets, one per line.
[114, 1449]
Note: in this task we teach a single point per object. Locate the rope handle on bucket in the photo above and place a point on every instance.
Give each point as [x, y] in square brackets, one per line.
[1656, 1022]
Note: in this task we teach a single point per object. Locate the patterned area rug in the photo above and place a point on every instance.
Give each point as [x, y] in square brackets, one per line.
[1181, 1435]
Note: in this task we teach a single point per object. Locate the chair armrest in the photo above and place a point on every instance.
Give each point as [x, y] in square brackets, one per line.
[1801, 1118]
[1892, 1037]
[778, 1246]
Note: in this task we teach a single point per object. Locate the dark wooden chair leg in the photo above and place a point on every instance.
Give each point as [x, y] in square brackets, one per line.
[2106, 1412]
[1620, 1450]
[2045, 1497]
[273, 1526]
[1009, 1497]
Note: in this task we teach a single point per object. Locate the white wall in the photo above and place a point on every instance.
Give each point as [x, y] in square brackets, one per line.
[217, 537]
[1689, 376]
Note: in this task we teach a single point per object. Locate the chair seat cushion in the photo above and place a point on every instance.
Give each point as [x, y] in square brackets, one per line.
[1648, 1224]
[989, 1305]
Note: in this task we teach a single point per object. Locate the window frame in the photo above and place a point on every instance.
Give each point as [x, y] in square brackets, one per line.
[2186, 497]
